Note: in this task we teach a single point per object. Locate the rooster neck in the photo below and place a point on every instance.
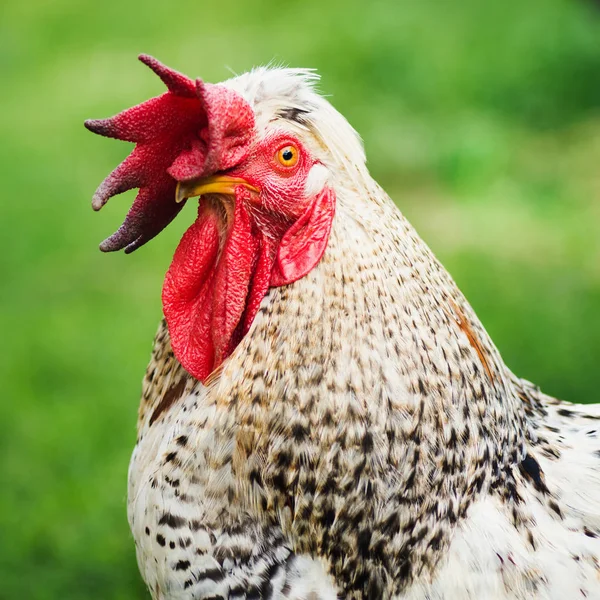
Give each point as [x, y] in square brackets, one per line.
[381, 321]
[365, 393]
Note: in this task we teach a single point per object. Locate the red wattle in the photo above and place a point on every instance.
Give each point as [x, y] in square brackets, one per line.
[211, 295]
[232, 281]
[187, 301]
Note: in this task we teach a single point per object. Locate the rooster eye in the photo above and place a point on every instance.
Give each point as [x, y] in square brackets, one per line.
[288, 156]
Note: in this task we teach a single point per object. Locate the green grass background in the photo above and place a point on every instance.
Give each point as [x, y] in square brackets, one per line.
[481, 119]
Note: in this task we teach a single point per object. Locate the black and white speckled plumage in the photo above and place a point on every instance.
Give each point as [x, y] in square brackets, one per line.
[365, 439]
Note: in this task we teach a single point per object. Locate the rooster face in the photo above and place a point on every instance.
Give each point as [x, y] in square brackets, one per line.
[279, 173]
[264, 217]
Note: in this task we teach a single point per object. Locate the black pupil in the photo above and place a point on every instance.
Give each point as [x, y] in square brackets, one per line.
[287, 154]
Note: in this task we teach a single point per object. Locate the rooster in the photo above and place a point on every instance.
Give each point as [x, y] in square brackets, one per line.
[323, 415]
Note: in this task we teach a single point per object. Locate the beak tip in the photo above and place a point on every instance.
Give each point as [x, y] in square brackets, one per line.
[180, 194]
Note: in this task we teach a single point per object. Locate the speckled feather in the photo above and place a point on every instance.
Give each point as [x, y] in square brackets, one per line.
[365, 439]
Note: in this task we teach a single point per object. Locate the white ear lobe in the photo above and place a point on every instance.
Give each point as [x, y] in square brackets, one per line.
[316, 180]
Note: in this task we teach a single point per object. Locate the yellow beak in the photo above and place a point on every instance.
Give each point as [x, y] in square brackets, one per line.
[215, 184]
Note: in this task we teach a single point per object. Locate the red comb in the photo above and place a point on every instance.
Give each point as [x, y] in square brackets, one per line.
[192, 130]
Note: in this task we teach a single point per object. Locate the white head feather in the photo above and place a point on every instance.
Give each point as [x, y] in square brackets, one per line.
[287, 99]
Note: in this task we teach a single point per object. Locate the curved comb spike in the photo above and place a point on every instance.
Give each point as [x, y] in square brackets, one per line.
[150, 213]
[103, 127]
[125, 177]
[176, 82]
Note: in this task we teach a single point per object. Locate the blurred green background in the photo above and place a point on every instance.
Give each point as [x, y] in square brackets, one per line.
[481, 119]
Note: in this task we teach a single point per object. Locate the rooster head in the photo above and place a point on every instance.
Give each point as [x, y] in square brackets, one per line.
[251, 153]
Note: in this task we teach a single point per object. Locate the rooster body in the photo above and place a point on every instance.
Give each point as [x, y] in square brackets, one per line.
[363, 439]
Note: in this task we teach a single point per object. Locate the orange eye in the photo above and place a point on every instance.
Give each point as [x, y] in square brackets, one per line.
[287, 156]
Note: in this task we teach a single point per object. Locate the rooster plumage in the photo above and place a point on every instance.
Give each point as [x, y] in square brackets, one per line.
[353, 433]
